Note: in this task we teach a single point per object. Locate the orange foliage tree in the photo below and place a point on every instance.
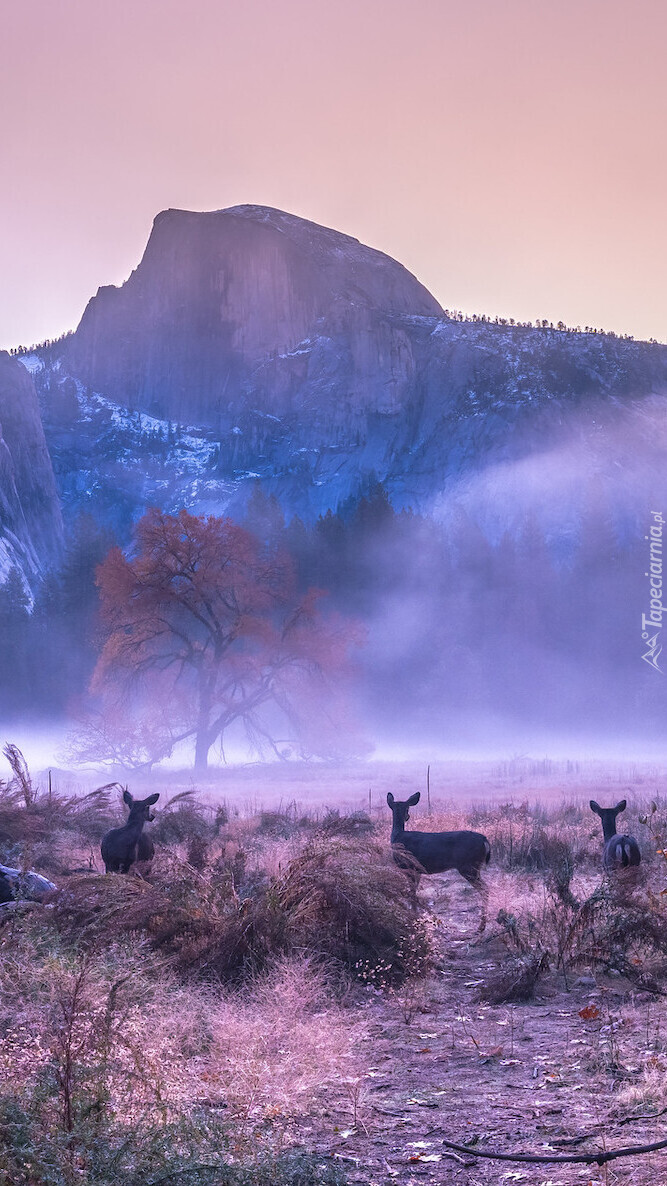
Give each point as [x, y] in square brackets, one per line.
[202, 621]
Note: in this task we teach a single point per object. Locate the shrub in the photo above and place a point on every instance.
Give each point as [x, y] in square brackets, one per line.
[182, 820]
[357, 823]
[516, 980]
[626, 935]
[342, 898]
[33, 1150]
[198, 923]
[345, 899]
[138, 1153]
[277, 823]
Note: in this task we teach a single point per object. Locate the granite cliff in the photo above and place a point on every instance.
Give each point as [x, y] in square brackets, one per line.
[251, 344]
[30, 519]
[252, 303]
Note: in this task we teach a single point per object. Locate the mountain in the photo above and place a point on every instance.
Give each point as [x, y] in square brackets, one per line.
[30, 520]
[251, 344]
[251, 303]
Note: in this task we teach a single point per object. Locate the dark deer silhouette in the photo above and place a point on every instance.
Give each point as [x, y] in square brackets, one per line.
[122, 847]
[620, 851]
[436, 852]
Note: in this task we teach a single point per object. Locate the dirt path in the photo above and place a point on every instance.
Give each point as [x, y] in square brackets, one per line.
[513, 1078]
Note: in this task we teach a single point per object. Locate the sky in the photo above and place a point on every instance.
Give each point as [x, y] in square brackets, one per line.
[510, 153]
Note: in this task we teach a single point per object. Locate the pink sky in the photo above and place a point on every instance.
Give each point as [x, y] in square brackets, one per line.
[511, 153]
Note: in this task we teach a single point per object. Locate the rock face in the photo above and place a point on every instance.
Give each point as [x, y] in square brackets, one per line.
[30, 519]
[296, 355]
[252, 301]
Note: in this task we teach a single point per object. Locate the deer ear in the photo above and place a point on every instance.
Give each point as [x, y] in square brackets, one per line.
[152, 799]
[127, 797]
[414, 798]
[595, 807]
[390, 799]
[621, 806]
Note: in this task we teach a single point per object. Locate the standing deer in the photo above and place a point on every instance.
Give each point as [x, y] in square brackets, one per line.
[620, 851]
[436, 852]
[122, 847]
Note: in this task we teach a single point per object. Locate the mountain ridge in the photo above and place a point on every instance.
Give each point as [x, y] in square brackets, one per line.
[298, 357]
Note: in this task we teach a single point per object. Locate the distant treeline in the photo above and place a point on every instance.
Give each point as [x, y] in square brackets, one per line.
[542, 323]
[19, 350]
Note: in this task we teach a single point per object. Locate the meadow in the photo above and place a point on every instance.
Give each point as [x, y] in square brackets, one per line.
[268, 1007]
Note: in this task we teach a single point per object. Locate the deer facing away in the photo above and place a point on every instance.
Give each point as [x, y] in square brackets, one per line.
[620, 851]
[122, 847]
[436, 852]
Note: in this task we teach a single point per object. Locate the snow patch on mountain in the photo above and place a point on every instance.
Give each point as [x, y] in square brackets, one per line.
[32, 363]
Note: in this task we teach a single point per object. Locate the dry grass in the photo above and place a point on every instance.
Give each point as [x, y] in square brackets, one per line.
[215, 1006]
[155, 1046]
[650, 1090]
[283, 1049]
[103, 1048]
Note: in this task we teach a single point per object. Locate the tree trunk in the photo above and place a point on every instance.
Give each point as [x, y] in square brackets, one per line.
[202, 746]
[203, 741]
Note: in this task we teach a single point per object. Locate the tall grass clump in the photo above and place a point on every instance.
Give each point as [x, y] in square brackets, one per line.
[344, 899]
[196, 921]
[45, 828]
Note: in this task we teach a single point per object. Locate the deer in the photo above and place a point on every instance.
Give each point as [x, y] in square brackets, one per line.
[126, 846]
[437, 852]
[620, 851]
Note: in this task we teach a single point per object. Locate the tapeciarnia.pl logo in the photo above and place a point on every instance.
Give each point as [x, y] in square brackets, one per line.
[652, 622]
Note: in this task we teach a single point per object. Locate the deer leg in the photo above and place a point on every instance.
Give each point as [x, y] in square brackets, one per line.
[474, 878]
[129, 860]
[413, 882]
[484, 894]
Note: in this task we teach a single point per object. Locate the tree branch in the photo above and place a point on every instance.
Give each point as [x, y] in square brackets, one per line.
[599, 1158]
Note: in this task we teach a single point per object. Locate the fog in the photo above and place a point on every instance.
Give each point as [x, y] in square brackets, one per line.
[518, 627]
[505, 618]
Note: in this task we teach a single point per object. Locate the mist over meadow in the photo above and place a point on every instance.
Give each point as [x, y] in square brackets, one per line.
[507, 621]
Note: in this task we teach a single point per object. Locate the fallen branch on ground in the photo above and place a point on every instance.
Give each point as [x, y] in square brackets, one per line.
[647, 1116]
[588, 1136]
[544, 1159]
